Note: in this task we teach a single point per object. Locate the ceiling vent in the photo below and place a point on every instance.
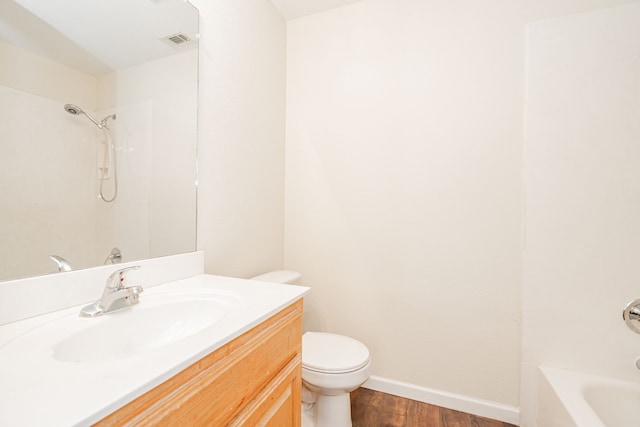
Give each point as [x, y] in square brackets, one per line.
[176, 40]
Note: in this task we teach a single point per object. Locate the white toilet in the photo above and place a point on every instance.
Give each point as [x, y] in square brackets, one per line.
[332, 367]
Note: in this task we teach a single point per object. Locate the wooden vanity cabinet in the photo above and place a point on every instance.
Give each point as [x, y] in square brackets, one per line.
[254, 380]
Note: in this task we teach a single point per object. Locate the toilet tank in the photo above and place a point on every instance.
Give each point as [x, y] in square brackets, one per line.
[280, 276]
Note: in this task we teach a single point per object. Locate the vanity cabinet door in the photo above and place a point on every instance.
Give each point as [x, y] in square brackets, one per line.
[279, 403]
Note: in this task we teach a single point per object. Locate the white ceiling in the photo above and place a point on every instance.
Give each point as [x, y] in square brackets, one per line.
[97, 36]
[292, 9]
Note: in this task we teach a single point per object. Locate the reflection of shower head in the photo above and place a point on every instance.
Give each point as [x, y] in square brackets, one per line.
[73, 109]
[110, 157]
[76, 111]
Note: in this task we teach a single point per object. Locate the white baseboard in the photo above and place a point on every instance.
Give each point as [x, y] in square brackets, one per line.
[457, 402]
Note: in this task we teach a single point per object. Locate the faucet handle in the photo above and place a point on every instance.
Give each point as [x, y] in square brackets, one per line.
[631, 315]
[117, 278]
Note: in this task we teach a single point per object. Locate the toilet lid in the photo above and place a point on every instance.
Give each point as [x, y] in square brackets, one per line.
[332, 353]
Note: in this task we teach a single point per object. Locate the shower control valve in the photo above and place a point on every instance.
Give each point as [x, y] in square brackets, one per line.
[631, 315]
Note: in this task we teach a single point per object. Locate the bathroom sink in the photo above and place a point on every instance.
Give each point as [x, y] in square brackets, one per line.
[80, 369]
[160, 320]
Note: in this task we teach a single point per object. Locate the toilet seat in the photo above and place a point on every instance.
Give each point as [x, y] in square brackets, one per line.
[332, 353]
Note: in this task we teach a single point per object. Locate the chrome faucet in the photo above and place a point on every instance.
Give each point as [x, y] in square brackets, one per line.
[115, 296]
[63, 264]
[115, 257]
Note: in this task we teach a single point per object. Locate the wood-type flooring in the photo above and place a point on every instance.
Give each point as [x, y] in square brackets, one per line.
[371, 408]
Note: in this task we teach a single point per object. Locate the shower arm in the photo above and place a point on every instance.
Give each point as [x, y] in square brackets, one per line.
[75, 110]
[100, 125]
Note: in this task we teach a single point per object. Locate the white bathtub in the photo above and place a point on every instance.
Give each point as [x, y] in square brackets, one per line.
[573, 399]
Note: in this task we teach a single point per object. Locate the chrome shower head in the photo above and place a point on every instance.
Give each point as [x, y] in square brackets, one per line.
[76, 111]
[73, 109]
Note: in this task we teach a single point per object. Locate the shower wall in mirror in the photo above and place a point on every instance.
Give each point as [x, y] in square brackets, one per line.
[107, 58]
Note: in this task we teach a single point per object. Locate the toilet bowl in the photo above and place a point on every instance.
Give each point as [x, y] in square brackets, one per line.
[332, 367]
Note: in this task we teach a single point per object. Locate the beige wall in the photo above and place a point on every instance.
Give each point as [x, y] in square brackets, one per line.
[403, 208]
[404, 183]
[46, 166]
[241, 136]
[582, 179]
[156, 106]
[34, 74]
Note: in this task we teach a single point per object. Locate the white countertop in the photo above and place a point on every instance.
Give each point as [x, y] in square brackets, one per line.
[38, 390]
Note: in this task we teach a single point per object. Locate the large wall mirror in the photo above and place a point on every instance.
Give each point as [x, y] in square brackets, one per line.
[98, 130]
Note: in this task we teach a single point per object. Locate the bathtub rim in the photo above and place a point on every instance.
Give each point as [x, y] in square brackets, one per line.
[569, 388]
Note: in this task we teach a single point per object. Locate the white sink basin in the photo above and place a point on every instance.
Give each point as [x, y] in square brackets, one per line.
[159, 320]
